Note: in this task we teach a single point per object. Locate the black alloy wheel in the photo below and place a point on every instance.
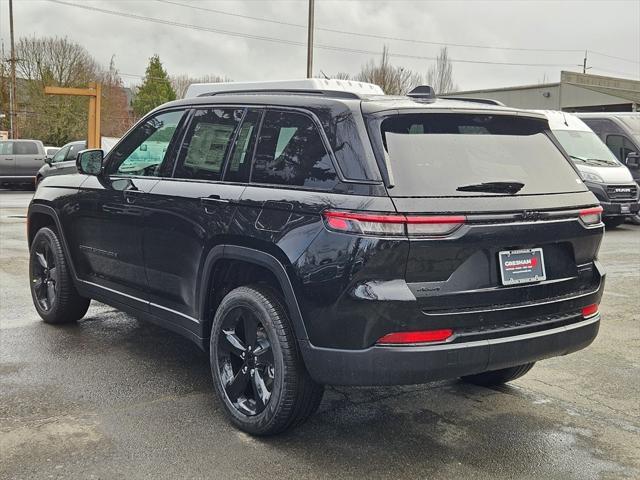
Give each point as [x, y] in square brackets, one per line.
[245, 361]
[52, 289]
[258, 371]
[44, 275]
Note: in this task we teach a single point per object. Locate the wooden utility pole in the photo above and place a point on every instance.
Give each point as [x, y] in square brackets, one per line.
[310, 41]
[13, 119]
[94, 93]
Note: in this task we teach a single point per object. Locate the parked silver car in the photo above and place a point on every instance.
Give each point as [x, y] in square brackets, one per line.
[64, 161]
[20, 160]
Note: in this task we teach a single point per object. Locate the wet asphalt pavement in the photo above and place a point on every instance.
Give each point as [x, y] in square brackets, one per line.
[113, 397]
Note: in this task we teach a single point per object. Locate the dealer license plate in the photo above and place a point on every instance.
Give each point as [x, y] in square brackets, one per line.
[522, 266]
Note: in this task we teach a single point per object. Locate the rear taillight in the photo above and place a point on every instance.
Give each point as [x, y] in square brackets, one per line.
[410, 338]
[392, 224]
[590, 310]
[591, 216]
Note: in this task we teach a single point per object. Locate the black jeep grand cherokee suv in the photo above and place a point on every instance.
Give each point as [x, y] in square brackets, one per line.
[320, 237]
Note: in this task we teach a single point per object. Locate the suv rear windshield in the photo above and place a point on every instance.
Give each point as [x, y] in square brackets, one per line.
[443, 155]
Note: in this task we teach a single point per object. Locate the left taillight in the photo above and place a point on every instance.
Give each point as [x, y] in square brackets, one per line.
[591, 216]
[392, 224]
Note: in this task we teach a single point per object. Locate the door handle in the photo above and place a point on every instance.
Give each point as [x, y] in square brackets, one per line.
[211, 202]
[130, 196]
[8, 159]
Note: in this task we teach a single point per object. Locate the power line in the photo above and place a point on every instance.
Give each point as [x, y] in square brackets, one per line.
[368, 35]
[293, 42]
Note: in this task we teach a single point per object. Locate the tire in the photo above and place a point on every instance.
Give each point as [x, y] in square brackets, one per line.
[54, 295]
[635, 219]
[614, 222]
[498, 377]
[263, 393]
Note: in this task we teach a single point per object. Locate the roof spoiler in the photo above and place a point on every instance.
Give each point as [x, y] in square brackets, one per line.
[486, 101]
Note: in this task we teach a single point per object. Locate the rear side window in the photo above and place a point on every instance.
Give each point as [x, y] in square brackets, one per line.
[240, 163]
[290, 151]
[207, 143]
[6, 148]
[440, 155]
[25, 148]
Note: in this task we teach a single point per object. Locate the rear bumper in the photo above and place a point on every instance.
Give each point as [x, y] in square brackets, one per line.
[380, 365]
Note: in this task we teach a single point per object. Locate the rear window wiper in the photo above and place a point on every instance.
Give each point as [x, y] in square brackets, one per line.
[492, 187]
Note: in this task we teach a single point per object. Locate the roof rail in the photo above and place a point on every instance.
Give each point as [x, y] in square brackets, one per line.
[486, 101]
[280, 91]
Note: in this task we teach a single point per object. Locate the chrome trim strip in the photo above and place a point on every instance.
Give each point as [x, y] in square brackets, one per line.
[486, 310]
[144, 302]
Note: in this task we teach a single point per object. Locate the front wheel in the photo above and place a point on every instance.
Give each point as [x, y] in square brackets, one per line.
[498, 377]
[257, 370]
[54, 294]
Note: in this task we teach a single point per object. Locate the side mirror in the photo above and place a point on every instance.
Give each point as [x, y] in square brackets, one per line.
[633, 159]
[48, 160]
[89, 161]
[143, 147]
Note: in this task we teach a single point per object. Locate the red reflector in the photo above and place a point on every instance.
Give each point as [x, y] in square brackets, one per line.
[590, 310]
[416, 337]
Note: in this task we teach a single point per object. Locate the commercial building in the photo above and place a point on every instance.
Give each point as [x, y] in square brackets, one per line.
[575, 92]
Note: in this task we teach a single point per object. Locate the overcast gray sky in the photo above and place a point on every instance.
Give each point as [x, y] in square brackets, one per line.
[603, 27]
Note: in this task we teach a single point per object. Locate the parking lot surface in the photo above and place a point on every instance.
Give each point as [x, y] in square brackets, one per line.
[113, 397]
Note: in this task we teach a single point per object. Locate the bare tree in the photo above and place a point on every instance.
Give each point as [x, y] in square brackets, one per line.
[180, 83]
[116, 116]
[440, 74]
[392, 80]
[55, 61]
[59, 119]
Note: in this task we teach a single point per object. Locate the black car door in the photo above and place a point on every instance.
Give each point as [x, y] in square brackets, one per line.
[190, 213]
[109, 226]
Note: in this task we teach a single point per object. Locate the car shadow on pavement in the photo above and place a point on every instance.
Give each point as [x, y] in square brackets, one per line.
[439, 429]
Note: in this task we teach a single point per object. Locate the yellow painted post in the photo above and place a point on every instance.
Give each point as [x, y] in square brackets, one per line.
[98, 98]
[91, 127]
[94, 93]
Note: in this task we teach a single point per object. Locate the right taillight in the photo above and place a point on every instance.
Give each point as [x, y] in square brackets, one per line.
[591, 216]
[392, 224]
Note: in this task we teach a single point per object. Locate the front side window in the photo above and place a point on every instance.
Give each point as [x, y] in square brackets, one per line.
[290, 151]
[25, 148]
[144, 149]
[74, 149]
[61, 155]
[620, 146]
[207, 143]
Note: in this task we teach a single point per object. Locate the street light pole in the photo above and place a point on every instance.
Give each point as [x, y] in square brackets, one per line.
[12, 96]
[310, 41]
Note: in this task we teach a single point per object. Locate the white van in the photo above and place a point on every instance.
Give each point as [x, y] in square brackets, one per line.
[608, 179]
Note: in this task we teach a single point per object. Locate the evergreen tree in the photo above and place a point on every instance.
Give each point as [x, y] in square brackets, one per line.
[155, 90]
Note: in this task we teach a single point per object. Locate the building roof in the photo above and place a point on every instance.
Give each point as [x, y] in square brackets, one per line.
[623, 88]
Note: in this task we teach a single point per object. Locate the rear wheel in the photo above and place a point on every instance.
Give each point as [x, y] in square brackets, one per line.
[498, 377]
[256, 366]
[54, 295]
[614, 222]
